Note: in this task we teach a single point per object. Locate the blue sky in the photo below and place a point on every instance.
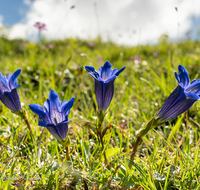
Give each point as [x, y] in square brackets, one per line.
[116, 19]
[13, 11]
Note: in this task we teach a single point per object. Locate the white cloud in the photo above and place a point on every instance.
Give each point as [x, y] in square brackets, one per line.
[1, 20]
[114, 19]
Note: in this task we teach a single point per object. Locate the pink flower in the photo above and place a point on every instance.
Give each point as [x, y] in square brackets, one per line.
[136, 58]
[40, 26]
[155, 54]
[51, 46]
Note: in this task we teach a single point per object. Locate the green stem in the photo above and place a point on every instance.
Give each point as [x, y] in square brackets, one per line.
[28, 125]
[135, 149]
[67, 153]
[104, 153]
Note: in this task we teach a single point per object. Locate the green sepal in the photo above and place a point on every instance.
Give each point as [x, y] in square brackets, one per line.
[22, 113]
[65, 142]
[154, 122]
[101, 115]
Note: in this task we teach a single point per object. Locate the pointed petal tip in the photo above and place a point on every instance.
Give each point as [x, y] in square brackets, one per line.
[182, 69]
[53, 94]
[107, 64]
[118, 72]
[89, 68]
[17, 72]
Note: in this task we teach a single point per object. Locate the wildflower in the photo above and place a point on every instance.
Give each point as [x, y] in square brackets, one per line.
[8, 91]
[136, 58]
[182, 98]
[54, 116]
[104, 84]
[51, 46]
[40, 26]
[155, 54]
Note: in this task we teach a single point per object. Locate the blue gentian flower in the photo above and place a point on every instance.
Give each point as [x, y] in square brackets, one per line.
[54, 116]
[8, 91]
[104, 84]
[182, 98]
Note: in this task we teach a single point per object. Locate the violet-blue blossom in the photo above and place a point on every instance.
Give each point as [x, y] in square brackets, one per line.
[8, 91]
[104, 83]
[40, 26]
[54, 115]
[182, 98]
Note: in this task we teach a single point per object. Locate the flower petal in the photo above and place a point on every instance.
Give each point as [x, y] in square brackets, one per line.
[194, 87]
[180, 107]
[16, 98]
[175, 96]
[8, 102]
[105, 71]
[54, 132]
[99, 94]
[177, 103]
[55, 112]
[111, 78]
[37, 109]
[13, 79]
[42, 123]
[109, 92]
[4, 86]
[92, 72]
[65, 109]
[183, 76]
[118, 72]
[62, 129]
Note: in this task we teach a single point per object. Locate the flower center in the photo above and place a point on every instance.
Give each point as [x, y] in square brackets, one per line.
[55, 120]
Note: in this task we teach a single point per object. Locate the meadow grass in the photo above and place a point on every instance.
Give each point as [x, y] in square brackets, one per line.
[168, 157]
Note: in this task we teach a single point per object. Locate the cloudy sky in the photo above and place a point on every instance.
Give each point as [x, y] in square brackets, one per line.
[128, 22]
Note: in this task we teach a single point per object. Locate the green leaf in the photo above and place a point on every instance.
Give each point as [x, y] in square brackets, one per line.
[111, 152]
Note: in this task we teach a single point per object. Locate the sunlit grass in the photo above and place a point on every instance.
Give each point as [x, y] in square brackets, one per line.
[168, 157]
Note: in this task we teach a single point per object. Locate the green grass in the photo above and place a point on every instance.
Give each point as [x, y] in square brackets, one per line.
[168, 158]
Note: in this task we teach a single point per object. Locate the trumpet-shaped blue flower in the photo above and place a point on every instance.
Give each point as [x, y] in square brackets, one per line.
[104, 83]
[182, 98]
[54, 116]
[8, 91]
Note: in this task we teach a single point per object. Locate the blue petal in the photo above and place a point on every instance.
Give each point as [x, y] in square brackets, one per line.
[104, 93]
[109, 92]
[105, 71]
[177, 103]
[65, 108]
[92, 72]
[53, 131]
[37, 109]
[111, 78]
[55, 112]
[47, 106]
[16, 98]
[4, 86]
[180, 107]
[8, 101]
[194, 87]
[183, 76]
[99, 94]
[117, 74]
[9, 76]
[62, 129]
[42, 123]
[175, 96]
[13, 79]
